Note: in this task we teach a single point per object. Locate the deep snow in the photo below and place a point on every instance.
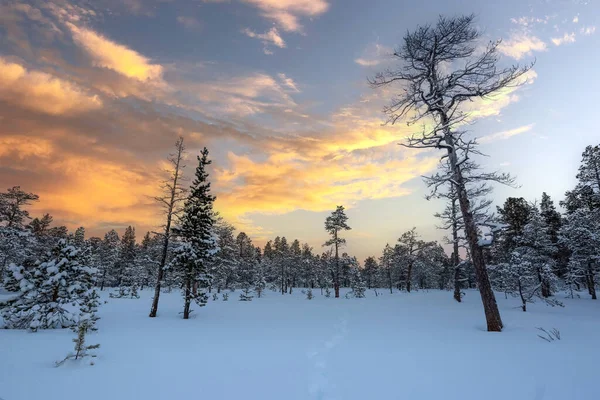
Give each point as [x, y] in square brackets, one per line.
[421, 345]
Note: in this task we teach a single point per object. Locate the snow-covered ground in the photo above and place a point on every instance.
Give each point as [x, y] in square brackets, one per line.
[421, 345]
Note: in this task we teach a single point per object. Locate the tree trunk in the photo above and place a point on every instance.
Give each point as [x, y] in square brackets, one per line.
[455, 256]
[389, 269]
[170, 210]
[409, 276]
[592, 283]
[283, 290]
[492, 314]
[336, 283]
[523, 301]
[457, 294]
[103, 279]
[187, 299]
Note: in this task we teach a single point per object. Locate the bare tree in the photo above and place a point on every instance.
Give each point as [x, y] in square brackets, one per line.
[477, 188]
[440, 70]
[173, 194]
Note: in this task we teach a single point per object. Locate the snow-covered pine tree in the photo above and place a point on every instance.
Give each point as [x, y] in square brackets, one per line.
[260, 282]
[247, 265]
[147, 256]
[357, 282]
[409, 247]
[531, 265]
[87, 295]
[334, 224]
[109, 258]
[224, 265]
[386, 261]
[581, 235]
[281, 258]
[198, 239]
[308, 267]
[15, 239]
[45, 289]
[128, 274]
[295, 264]
[370, 272]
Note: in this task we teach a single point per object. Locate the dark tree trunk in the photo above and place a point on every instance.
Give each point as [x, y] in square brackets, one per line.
[592, 283]
[455, 256]
[103, 279]
[523, 301]
[170, 210]
[409, 276]
[457, 294]
[336, 283]
[492, 314]
[187, 299]
[283, 288]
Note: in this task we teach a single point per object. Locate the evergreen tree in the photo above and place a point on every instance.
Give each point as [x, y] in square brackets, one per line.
[260, 283]
[370, 272]
[334, 224]
[386, 261]
[14, 237]
[530, 269]
[581, 235]
[109, 257]
[589, 170]
[224, 265]
[46, 288]
[199, 242]
[128, 267]
[357, 282]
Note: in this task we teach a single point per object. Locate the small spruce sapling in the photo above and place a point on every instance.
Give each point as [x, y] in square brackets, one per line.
[246, 295]
[309, 294]
[81, 350]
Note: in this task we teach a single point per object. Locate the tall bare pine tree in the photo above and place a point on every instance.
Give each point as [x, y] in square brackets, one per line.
[440, 69]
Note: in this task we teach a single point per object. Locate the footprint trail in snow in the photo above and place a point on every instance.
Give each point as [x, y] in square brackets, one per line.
[321, 387]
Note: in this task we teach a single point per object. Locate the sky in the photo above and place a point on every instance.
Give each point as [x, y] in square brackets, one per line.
[94, 93]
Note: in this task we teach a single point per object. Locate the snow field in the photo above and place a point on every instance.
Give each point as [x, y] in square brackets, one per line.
[421, 345]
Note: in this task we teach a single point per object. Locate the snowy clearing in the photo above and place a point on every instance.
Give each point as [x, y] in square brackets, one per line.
[421, 345]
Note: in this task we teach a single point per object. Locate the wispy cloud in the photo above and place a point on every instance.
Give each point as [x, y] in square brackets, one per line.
[507, 134]
[288, 82]
[521, 44]
[109, 54]
[286, 13]
[566, 38]
[189, 23]
[373, 55]
[588, 30]
[271, 37]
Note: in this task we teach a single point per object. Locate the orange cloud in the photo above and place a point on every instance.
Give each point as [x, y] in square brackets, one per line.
[108, 54]
[40, 91]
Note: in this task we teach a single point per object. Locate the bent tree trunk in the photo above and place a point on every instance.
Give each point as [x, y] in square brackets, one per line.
[492, 314]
